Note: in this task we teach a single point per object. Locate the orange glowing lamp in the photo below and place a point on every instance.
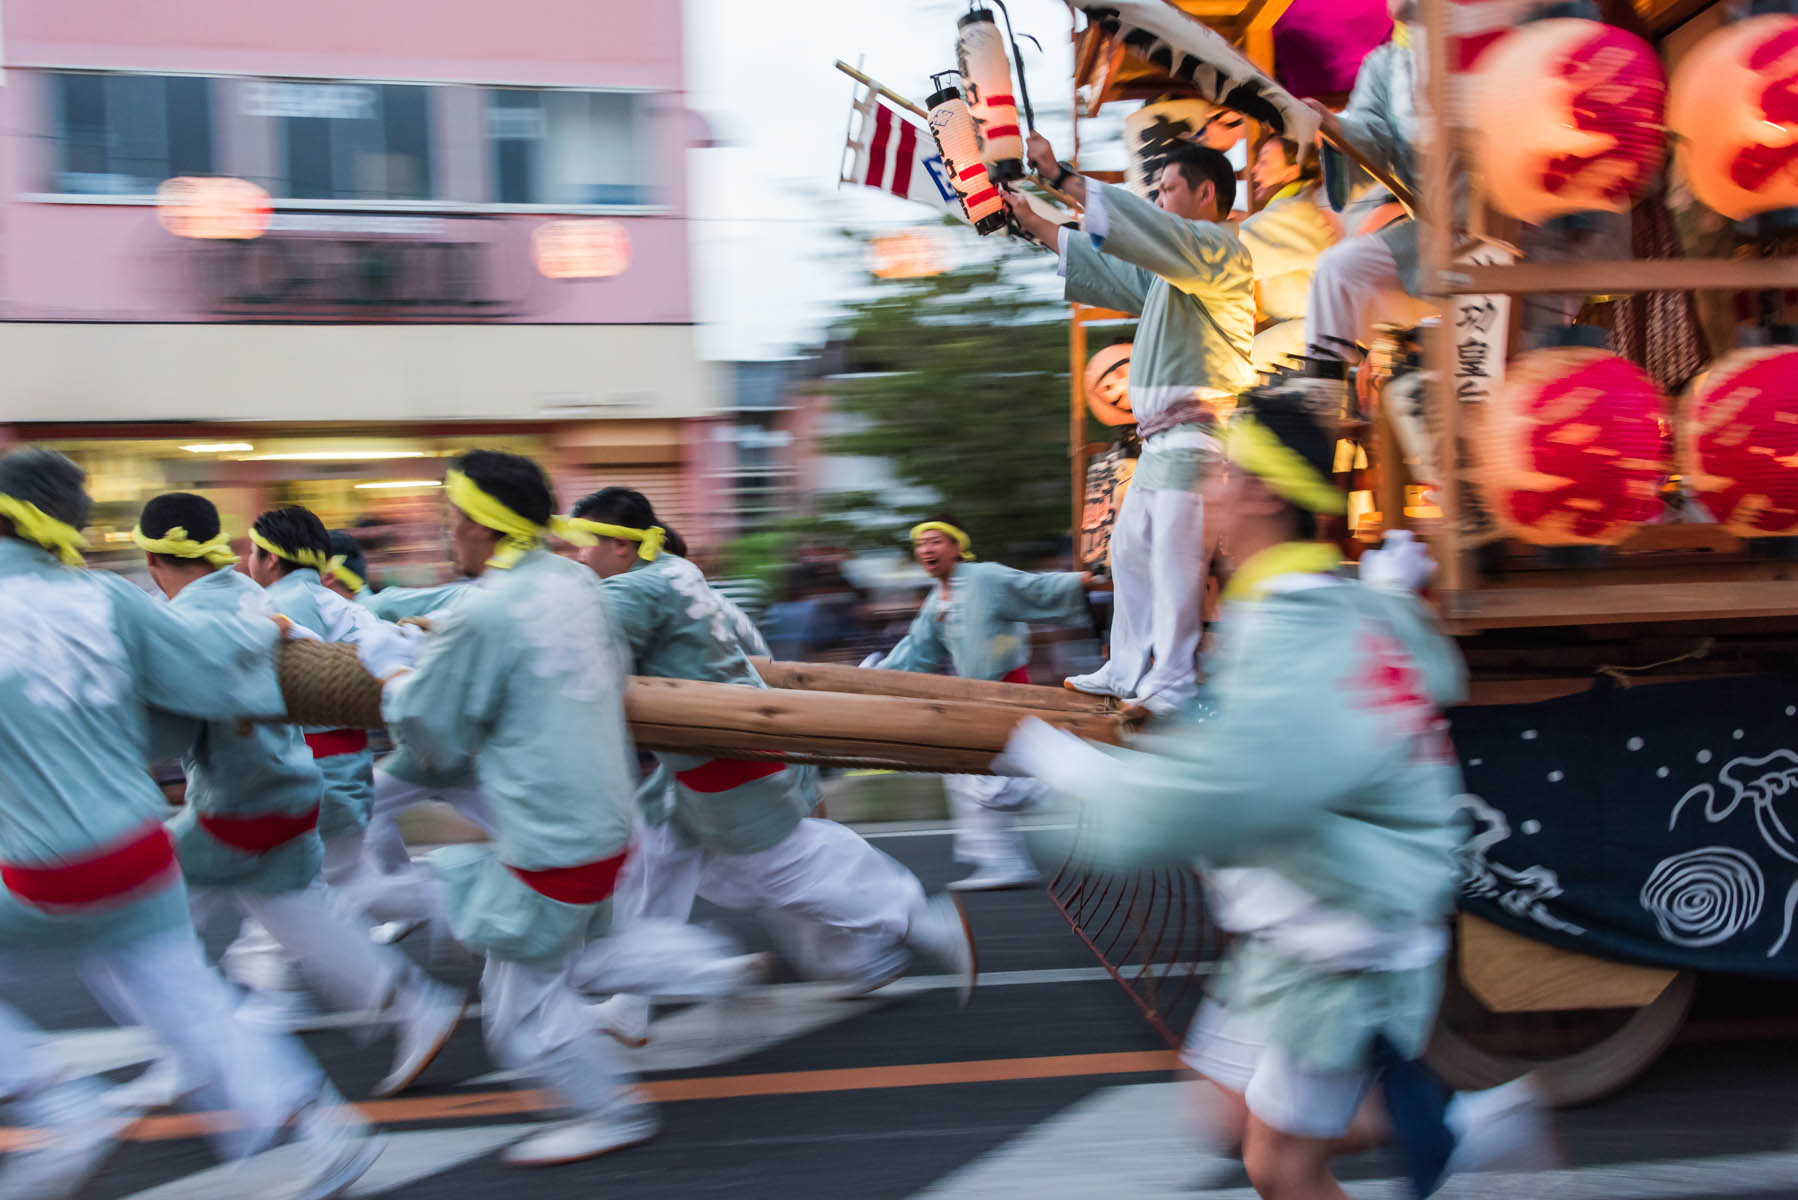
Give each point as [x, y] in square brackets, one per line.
[213, 208]
[907, 254]
[581, 249]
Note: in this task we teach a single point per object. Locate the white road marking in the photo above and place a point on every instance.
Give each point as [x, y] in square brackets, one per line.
[1127, 1140]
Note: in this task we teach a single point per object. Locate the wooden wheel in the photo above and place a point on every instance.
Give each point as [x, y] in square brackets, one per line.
[1581, 1055]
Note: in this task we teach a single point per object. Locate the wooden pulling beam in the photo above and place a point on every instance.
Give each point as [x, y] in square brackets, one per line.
[872, 681]
[836, 728]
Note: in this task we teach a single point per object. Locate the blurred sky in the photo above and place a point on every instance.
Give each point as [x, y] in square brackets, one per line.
[769, 264]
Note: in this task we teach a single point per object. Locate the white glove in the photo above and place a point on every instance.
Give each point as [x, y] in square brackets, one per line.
[384, 651]
[873, 660]
[1401, 564]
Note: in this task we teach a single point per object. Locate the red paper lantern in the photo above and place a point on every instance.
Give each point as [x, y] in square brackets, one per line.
[1734, 109]
[1738, 444]
[1568, 117]
[1571, 451]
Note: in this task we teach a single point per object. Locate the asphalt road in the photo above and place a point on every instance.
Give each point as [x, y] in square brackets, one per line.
[1049, 1085]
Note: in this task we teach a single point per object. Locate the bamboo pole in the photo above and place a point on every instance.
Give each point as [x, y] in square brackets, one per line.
[864, 681]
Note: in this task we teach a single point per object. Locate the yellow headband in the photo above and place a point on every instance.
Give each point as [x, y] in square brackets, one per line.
[651, 539]
[519, 535]
[943, 527]
[177, 544]
[299, 558]
[1252, 580]
[1253, 447]
[35, 525]
[344, 575]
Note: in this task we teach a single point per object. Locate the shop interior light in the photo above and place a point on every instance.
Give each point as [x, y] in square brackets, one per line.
[219, 448]
[336, 456]
[375, 484]
[213, 208]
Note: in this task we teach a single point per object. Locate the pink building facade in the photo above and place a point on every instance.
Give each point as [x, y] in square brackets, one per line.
[395, 308]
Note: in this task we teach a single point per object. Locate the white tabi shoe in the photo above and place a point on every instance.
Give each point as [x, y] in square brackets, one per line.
[940, 930]
[625, 1019]
[585, 1137]
[999, 877]
[388, 933]
[78, 1131]
[345, 1146]
[1502, 1128]
[426, 1015]
[1094, 683]
[887, 968]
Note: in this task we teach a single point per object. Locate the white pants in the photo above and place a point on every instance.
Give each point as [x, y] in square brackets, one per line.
[984, 808]
[840, 907]
[1158, 555]
[163, 984]
[534, 1022]
[383, 846]
[1356, 287]
[1305, 1103]
[350, 972]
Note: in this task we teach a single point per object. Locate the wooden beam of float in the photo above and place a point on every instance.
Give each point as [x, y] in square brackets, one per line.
[862, 681]
[1511, 973]
[834, 728]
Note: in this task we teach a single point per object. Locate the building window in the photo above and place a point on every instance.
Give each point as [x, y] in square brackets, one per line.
[348, 141]
[569, 148]
[125, 134]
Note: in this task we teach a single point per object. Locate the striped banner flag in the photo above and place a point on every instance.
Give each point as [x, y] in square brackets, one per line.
[893, 152]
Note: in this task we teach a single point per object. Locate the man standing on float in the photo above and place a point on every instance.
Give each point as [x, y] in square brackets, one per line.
[1191, 283]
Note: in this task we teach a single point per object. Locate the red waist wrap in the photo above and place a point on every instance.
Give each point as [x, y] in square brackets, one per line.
[1016, 675]
[333, 742]
[110, 873]
[722, 774]
[259, 835]
[588, 883]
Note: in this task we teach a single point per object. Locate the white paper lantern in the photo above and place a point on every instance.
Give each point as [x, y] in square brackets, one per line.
[980, 51]
[952, 125]
[1152, 131]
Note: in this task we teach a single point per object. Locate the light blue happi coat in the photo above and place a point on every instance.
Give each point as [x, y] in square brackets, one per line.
[84, 657]
[240, 770]
[977, 622]
[1191, 285]
[674, 626]
[349, 778]
[1324, 763]
[524, 678]
[397, 604]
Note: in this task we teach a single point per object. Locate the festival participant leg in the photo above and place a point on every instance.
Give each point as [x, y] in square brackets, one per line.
[659, 882]
[1176, 570]
[78, 1133]
[984, 808]
[388, 873]
[1132, 604]
[1356, 287]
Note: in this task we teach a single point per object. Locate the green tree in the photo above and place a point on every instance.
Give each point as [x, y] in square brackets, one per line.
[962, 381]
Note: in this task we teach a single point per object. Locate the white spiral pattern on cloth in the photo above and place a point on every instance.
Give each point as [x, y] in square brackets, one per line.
[1704, 896]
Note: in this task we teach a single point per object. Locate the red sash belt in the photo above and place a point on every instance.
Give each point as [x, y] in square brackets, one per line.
[259, 835]
[111, 873]
[333, 742]
[1016, 675]
[722, 774]
[588, 883]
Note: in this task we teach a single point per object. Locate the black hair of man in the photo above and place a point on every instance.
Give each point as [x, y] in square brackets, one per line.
[180, 510]
[293, 527]
[631, 509]
[1289, 415]
[1198, 164]
[49, 480]
[512, 479]
[351, 550]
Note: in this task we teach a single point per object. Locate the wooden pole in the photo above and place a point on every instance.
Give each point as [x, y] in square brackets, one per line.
[1435, 231]
[864, 681]
[833, 727]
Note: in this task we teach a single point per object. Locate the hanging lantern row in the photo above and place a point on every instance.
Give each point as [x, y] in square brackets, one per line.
[1573, 449]
[1571, 116]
